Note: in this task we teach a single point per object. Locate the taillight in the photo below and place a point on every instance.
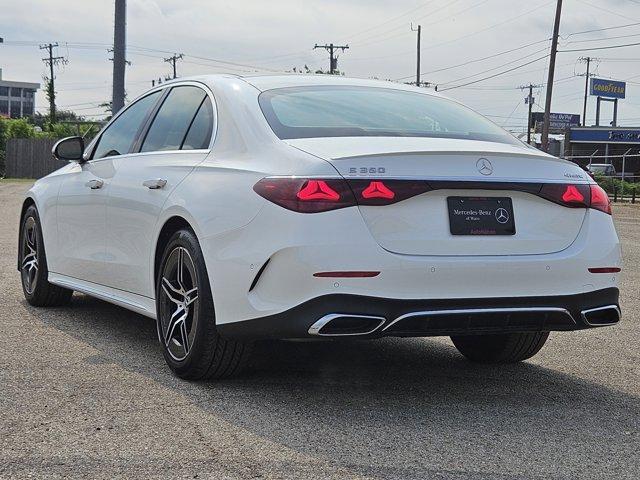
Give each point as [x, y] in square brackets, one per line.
[600, 199]
[313, 195]
[386, 192]
[574, 196]
[318, 190]
[577, 196]
[306, 195]
[378, 189]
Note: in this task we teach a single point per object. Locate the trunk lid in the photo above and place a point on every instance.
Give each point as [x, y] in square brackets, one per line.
[420, 225]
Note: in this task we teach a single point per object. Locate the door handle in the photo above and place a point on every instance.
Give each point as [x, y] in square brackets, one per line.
[94, 184]
[155, 183]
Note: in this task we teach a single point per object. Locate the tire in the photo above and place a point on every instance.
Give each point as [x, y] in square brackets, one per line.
[33, 265]
[506, 348]
[183, 293]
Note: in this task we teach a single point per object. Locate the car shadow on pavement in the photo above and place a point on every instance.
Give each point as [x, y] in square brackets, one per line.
[397, 405]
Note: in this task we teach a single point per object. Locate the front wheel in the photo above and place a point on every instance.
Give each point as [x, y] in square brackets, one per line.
[505, 348]
[186, 322]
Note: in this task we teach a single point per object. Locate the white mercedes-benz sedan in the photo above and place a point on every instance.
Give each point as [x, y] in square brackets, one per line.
[233, 208]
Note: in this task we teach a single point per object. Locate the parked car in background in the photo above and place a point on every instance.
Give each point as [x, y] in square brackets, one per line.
[606, 169]
[235, 208]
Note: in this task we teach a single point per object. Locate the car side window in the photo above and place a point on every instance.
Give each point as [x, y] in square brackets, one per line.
[118, 138]
[201, 129]
[173, 119]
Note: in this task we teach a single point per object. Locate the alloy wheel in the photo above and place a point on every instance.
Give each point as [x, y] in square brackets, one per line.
[29, 264]
[178, 303]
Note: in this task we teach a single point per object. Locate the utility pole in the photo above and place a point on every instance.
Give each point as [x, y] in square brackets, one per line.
[172, 60]
[333, 60]
[552, 67]
[588, 61]
[51, 61]
[119, 56]
[419, 30]
[529, 100]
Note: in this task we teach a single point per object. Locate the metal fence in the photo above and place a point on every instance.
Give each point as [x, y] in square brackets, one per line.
[618, 174]
[30, 158]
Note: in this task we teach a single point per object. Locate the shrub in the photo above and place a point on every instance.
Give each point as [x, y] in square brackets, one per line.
[19, 128]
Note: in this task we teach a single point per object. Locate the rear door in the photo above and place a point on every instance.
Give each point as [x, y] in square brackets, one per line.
[175, 141]
[477, 198]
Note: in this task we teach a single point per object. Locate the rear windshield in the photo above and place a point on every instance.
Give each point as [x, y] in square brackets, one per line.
[351, 111]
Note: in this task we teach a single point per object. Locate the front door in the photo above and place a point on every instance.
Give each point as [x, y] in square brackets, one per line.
[82, 199]
[81, 217]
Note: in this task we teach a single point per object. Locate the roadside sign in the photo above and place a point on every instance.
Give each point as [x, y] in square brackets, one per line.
[601, 87]
[558, 122]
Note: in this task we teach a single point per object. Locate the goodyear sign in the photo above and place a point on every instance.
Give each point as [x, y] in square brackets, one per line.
[601, 87]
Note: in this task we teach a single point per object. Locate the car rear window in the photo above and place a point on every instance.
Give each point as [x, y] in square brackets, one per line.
[351, 111]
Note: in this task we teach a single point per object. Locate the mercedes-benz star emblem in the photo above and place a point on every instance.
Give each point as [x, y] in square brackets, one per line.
[484, 166]
[502, 216]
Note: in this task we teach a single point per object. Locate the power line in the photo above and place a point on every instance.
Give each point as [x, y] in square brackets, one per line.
[478, 59]
[599, 48]
[494, 68]
[495, 25]
[603, 39]
[607, 10]
[601, 29]
[494, 75]
[391, 19]
[386, 32]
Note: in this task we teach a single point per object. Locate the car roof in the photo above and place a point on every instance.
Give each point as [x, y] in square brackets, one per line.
[264, 82]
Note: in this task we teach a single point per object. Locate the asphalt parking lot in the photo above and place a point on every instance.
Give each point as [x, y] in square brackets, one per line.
[84, 392]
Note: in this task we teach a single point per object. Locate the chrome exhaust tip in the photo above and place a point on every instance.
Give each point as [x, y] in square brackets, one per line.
[601, 316]
[346, 324]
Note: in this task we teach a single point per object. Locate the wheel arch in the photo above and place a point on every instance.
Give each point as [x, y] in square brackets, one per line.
[170, 226]
[28, 202]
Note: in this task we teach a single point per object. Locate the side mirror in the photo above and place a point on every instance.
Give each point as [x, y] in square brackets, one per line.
[70, 148]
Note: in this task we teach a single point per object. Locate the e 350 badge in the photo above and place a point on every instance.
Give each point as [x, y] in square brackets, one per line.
[366, 170]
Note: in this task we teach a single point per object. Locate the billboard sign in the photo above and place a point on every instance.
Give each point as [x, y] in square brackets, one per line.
[601, 87]
[605, 135]
[558, 122]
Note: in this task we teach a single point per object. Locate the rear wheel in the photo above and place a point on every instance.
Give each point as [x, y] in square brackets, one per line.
[506, 348]
[186, 322]
[33, 266]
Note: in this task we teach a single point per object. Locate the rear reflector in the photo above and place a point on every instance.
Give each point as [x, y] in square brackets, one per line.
[605, 270]
[347, 274]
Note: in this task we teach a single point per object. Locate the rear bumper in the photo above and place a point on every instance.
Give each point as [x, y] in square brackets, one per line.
[376, 317]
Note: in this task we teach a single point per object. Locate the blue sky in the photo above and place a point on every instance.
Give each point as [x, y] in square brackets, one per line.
[279, 34]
